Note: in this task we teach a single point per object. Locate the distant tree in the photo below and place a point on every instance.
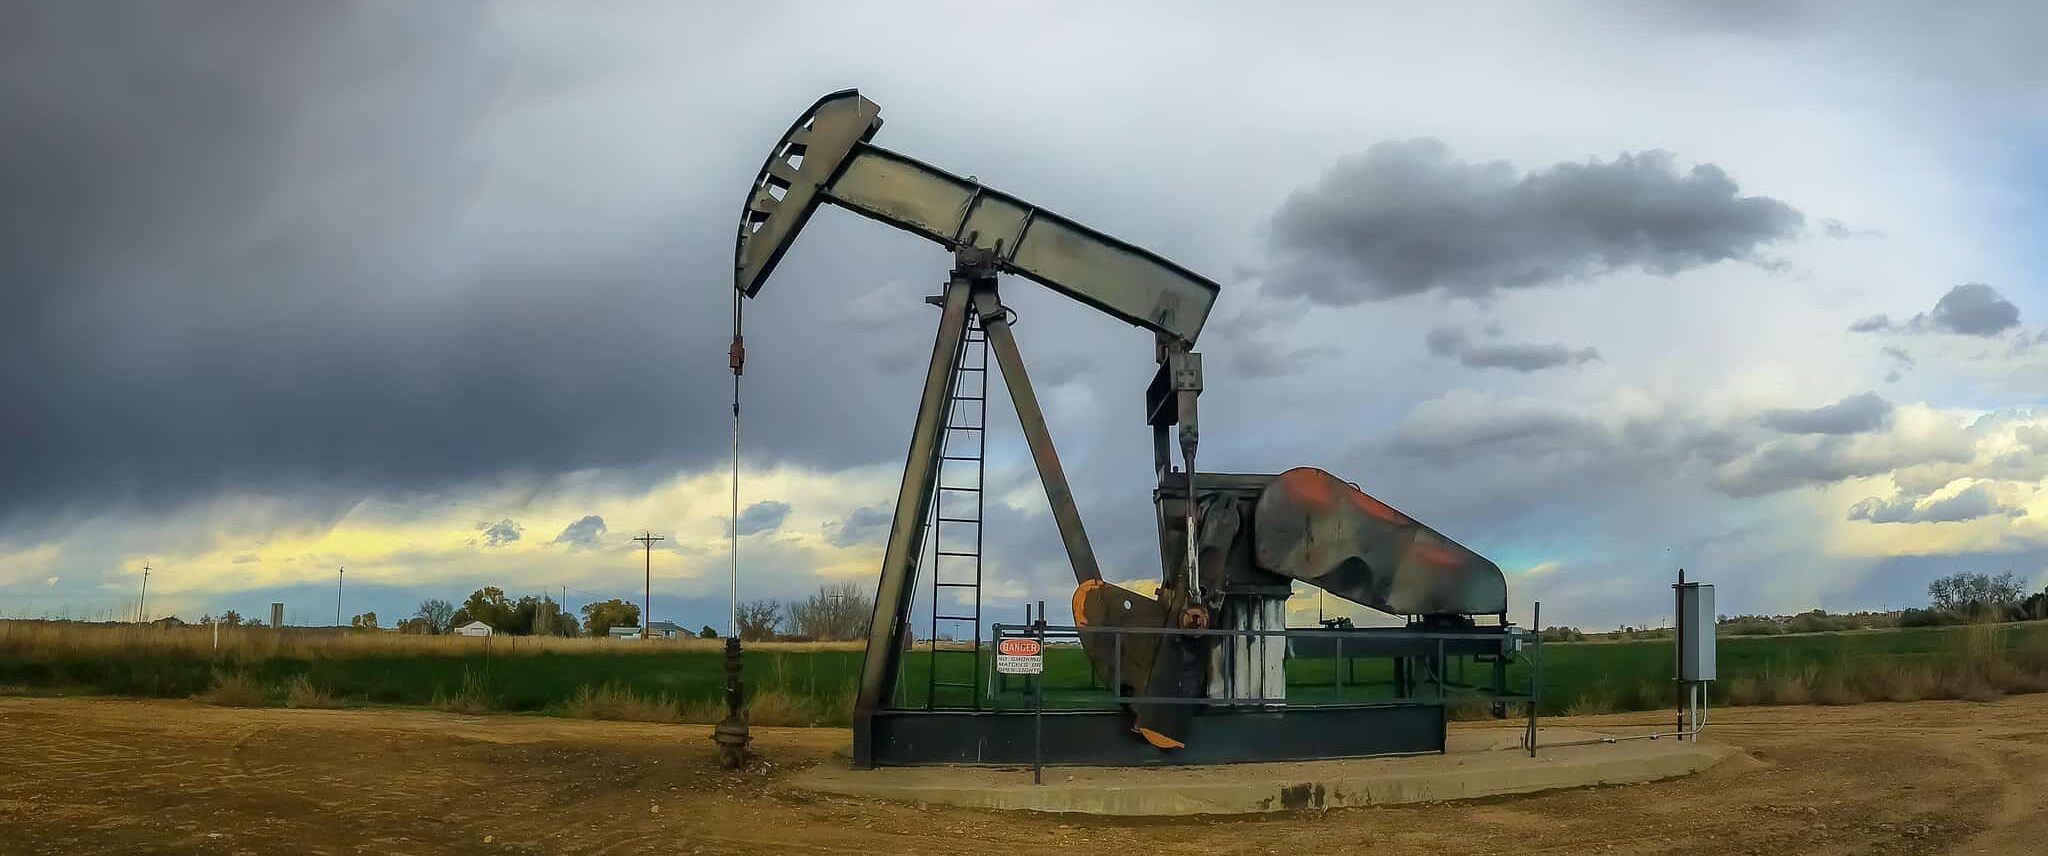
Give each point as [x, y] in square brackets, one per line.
[436, 615]
[539, 616]
[758, 619]
[707, 633]
[2035, 607]
[231, 618]
[488, 605]
[599, 618]
[1928, 618]
[838, 611]
[415, 626]
[365, 621]
[561, 623]
[1967, 592]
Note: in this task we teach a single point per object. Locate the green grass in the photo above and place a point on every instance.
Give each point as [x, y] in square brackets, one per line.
[816, 686]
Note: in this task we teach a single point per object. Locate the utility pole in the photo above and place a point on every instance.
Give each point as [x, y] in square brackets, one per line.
[647, 540]
[338, 574]
[142, 608]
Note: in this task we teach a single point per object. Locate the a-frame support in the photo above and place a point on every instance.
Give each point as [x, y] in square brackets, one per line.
[972, 288]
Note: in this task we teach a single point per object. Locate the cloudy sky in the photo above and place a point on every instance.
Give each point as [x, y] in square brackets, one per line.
[439, 292]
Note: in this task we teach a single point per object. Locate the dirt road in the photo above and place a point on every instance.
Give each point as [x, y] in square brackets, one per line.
[109, 776]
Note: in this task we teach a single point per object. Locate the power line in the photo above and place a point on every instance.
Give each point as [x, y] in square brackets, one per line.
[142, 607]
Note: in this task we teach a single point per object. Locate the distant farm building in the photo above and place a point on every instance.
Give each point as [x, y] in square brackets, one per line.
[666, 630]
[625, 633]
[474, 628]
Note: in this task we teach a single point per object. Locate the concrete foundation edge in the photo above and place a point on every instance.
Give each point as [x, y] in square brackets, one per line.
[1267, 793]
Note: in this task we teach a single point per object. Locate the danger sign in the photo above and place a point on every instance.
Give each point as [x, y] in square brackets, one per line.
[1019, 657]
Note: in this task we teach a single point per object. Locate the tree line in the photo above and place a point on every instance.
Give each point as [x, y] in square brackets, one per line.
[837, 611]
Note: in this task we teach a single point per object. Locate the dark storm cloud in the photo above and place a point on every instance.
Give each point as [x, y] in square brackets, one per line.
[500, 533]
[1970, 309]
[1821, 459]
[1408, 217]
[1856, 413]
[375, 248]
[1974, 309]
[862, 525]
[1971, 503]
[586, 530]
[764, 516]
[1454, 427]
[1451, 342]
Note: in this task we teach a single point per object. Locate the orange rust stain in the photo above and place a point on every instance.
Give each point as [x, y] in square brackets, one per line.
[1081, 598]
[1439, 555]
[1378, 509]
[1158, 740]
[1310, 488]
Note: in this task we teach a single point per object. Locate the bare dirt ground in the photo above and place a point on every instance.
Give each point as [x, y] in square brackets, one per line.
[112, 776]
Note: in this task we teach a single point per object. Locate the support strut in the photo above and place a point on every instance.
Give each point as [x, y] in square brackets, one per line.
[894, 592]
[1065, 515]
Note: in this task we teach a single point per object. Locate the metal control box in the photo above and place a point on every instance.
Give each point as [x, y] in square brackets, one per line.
[1695, 632]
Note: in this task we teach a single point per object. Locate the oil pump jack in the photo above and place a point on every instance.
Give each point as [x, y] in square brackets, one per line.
[1231, 544]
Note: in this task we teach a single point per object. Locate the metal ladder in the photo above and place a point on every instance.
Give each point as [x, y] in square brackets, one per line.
[956, 526]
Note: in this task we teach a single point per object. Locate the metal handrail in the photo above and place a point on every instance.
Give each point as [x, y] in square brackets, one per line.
[1044, 631]
[1017, 632]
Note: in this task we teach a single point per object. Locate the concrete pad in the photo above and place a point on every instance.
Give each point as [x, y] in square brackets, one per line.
[1478, 763]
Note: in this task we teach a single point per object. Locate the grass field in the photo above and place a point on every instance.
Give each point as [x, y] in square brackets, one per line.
[813, 683]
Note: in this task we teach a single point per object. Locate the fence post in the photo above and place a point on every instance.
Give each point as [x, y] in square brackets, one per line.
[1535, 673]
[1038, 704]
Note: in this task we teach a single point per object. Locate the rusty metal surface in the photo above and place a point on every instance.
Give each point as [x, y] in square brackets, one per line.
[1102, 604]
[1316, 528]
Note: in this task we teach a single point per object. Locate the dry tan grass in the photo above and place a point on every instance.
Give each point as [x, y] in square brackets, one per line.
[235, 689]
[1902, 683]
[1592, 703]
[615, 702]
[303, 693]
[773, 707]
[473, 697]
[1468, 709]
[62, 637]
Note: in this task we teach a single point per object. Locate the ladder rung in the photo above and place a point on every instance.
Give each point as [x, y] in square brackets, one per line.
[962, 489]
[959, 520]
[967, 398]
[973, 368]
[957, 617]
[959, 553]
[957, 585]
[959, 458]
[956, 684]
[963, 428]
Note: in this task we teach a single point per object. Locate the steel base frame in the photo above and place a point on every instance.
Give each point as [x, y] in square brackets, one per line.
[1104, 738]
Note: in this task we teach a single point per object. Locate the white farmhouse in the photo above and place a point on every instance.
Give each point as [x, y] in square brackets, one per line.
[474, 628]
